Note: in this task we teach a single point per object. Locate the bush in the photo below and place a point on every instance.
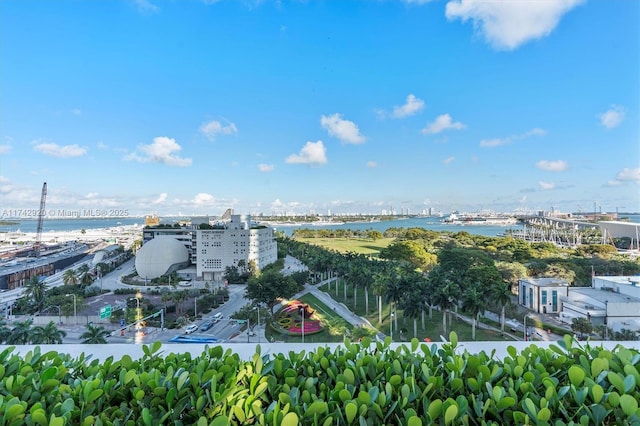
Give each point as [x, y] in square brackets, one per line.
[352, 384]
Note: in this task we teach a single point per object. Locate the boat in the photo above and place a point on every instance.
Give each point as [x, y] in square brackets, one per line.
[480, 219]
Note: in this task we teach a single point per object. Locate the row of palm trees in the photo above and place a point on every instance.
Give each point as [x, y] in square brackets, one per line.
[463, 278]
[25, 333]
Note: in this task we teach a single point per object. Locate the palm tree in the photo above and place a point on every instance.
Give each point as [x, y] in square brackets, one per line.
[21, 333]
[35, 290]
[501, 294]
[95, 334]
[379, 284]
[473, 302]
[393, 293]
[411, 306]
[445, 292]
[49, 334]
[70, 277]
[84, 275]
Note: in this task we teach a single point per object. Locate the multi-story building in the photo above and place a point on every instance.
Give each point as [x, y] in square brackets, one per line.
[233, 243]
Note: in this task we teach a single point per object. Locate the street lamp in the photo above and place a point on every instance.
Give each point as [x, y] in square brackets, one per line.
[258, 309]
[391, 326]
[525, 327]
[75, 312]
[302, 310]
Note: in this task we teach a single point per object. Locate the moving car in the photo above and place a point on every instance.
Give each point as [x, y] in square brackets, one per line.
[190, 328]
[207, 325]
[217, 317]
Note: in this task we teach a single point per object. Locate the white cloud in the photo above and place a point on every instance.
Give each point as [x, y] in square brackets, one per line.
[4, 149]
[448, 160]
[102, 145]
[372, 164]
[203, 198]
[412, 106]
[266, 167]
[627, 174]
[441, 123]
[490, 143]
[76, 111]
[55, 150]
[215, 128]
[161, 198]
[613, 182]
[312, 153]
[545, 186]
[612, 117]
[163, 150]
[552, 166]
[146, 6]
[345, 130]
[507, 24]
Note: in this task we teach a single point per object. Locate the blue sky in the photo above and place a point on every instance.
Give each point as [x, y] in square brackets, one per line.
[269, 107]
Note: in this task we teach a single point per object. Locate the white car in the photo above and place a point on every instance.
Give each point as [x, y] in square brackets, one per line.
[190, 328]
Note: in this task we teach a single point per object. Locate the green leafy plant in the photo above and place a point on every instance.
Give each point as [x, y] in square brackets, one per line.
[358, 383]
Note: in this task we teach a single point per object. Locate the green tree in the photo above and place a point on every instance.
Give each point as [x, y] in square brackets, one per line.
[501, 294]
[49, 334]
[474, 303]
[95, 334]
[373, 234]
[70, 277]
[380, 279]
[21, 333]
[5, 331]
[393, 292]
[581, 326]
[35, 291]
[411, 305]
[270, 286]
[86, 279]
[445, 291]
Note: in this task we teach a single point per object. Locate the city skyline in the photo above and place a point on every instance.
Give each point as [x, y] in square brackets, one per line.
[277, 107]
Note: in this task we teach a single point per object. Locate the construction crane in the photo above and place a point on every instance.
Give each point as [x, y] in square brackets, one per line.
[43, 199]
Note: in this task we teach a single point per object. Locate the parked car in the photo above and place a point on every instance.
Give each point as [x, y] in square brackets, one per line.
[190, 328]
[207, 325]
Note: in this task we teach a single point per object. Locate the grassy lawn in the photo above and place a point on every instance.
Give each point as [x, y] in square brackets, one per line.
[334, 325]
[433, 328]
[344, 245]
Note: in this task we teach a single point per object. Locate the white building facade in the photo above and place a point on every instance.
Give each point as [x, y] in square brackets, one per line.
[230, 243]
[542, 295]
[613, 301]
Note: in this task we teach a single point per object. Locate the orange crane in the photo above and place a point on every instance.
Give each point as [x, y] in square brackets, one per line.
[43, 199]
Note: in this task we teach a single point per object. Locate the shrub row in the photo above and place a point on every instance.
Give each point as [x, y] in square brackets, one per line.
[355, 384]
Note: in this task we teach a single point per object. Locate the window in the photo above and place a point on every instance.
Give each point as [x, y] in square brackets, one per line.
[544, 297]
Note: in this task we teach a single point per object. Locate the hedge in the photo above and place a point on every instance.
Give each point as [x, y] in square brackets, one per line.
[356, 384]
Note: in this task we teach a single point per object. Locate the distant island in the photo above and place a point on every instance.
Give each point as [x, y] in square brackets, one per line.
[9, 222]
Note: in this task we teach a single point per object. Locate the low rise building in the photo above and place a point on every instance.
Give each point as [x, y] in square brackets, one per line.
[542, 295]
[611, 301]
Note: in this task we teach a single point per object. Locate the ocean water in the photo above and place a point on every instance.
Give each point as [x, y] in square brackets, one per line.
[432, 223]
